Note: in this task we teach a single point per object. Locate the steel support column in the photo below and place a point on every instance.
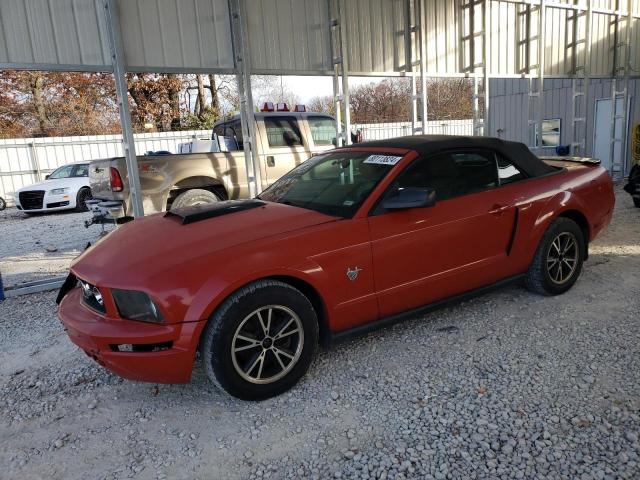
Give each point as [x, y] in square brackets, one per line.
[344, 52]
[247, 110]
[542, 13]
[486, 60]
[423, 64]
[128, 145]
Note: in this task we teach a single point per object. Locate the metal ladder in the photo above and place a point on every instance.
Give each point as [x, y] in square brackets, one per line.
[535, 99]
[340, 75]
[415, 48]
[468, 7]
[580, 72]
[620, 89]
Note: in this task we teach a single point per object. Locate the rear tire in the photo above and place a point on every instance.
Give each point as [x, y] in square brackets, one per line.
[558, 259]
[3, 204]
[197, 196]
[83, 195]
[260, 341]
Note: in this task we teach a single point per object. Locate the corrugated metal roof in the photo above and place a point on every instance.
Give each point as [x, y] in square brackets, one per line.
[176, 34]
[375, 35]
[53, 32]
[289, 36]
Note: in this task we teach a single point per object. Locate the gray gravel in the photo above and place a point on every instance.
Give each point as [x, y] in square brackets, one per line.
[509, 385]
[33, 247]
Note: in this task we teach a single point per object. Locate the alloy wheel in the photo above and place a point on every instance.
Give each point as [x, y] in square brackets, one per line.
[267, 344]
[562, 258]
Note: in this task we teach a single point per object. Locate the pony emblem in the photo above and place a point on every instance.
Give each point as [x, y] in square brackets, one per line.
[352, 273]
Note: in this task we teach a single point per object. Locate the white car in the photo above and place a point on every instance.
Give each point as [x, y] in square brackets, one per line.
[65, 188]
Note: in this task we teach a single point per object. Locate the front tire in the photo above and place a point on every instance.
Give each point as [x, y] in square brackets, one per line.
[558, 259]
[3, 204]
[260, 341]
[636, 201]
[196, 196]
[81, 199]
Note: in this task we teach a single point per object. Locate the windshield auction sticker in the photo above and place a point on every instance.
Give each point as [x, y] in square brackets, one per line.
[382, 159]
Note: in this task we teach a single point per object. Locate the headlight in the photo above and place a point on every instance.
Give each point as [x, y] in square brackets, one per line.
[136, 306]
[59, 191]
[92, 296]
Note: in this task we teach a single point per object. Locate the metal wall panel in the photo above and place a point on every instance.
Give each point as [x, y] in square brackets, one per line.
[375, 36]
[504, 31]
[61, 34]
[509, 107]
[163, 35]
[289, 36]
[442, 35]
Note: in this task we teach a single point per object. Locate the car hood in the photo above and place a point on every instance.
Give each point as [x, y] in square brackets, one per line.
[48, 185]
[135, 253]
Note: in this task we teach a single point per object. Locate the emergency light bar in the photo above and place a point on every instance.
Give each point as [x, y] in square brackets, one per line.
[267, 107]
[281, 107]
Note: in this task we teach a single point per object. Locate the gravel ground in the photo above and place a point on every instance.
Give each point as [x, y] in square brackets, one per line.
[33, 247]
[509, 385]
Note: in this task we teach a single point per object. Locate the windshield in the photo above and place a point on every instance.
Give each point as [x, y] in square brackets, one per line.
[67, 171]
[335, 183]
[62, 172]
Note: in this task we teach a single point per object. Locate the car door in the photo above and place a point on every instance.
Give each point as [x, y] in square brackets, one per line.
[283, 145]
[422, 255]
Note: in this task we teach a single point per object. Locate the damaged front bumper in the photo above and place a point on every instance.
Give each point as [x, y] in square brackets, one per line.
[149, 352]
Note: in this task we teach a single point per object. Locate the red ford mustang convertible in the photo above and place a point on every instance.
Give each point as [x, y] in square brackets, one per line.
[349, 240]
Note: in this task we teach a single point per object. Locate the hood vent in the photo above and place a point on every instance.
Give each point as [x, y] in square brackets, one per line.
[211, 210]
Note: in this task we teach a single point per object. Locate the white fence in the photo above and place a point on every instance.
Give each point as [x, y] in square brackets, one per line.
[381, 131]
[24, 161]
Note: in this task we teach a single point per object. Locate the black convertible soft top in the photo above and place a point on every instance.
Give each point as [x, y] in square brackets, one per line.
[516, 152]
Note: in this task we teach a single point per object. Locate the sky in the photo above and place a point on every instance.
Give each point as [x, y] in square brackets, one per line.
[307, 87]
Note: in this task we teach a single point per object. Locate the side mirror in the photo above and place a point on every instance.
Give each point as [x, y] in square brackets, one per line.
[47, 177]
[410, 197]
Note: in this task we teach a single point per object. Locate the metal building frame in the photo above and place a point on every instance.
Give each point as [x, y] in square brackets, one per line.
[580, 73]
[477, 40]
[620, 87]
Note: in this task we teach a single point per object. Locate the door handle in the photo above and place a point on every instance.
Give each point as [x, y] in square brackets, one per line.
[497, 209]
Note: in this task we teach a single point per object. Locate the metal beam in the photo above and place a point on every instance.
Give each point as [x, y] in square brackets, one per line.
[344, 52]
[542, 11]
[486, 59]
[423, 64]
[247, 113]
[128, 144]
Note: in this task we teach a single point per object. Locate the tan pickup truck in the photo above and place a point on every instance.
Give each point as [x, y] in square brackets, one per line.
[284, 140]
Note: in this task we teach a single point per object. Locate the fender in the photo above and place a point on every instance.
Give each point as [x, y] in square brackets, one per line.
[217, 289]
[553, 208]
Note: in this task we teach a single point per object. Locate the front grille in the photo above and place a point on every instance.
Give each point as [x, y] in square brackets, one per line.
[31, 200]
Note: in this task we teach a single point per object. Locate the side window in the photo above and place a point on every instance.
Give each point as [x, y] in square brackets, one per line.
[282, 131]
[236, 129]
[81, 171]
[508, 172]
[323, 130]
[219, 130]
[452, 174]
[478, 170]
